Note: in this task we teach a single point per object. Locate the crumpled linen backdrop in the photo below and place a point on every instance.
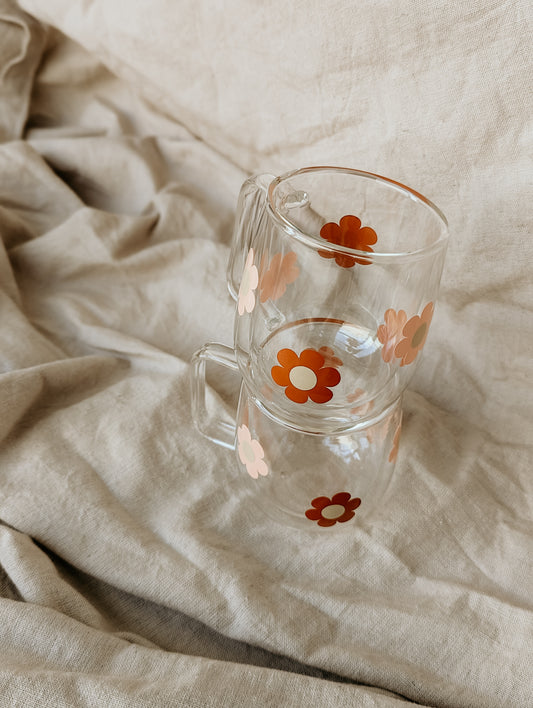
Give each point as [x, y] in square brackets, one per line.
[133, 570]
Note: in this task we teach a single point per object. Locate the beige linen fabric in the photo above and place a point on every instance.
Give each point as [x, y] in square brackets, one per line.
[134, 568]
[435, 95]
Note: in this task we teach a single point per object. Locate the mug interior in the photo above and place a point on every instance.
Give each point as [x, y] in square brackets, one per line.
[404, 222]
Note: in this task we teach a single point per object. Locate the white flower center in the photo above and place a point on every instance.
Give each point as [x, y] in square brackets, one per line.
[333, 511]
[303, 378]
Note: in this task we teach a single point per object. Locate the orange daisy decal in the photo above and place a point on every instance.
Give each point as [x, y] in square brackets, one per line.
[282, 270]
[391, 332]
[414, 335]
[305, 376]
[327, 512]
[348, 232]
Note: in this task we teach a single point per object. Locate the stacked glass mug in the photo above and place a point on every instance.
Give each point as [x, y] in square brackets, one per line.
[335, 273]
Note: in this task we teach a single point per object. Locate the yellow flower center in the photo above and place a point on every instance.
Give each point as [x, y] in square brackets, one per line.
[333, 511]
[302, 377]
[418, 337]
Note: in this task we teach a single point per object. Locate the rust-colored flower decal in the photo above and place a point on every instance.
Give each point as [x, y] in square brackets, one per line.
[251, 453]
[414, 336]
[362, 408]
[329, 357]
[349, 233]
[391, 332]
[249, 281]
[327, 512]
[395, 444]
[282, 270]
[305, 376]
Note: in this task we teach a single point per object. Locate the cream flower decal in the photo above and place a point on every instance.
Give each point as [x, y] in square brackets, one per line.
[251, 453]
[249, 282]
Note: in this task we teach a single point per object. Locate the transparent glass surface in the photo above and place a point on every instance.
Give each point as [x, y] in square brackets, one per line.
[336, 275]
[315, 480]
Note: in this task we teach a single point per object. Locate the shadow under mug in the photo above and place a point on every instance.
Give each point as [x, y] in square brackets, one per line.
[297, 477]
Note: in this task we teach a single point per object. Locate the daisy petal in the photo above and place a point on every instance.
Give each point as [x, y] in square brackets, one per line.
[328, 377]
[254, 277]
[368, 236]
[345, 261]
[288, 358]
[320, 394]
[280, 375]
[331, 232]
[313, 514]
[243, 433]
[252, 470]
[296, 394]
[311, 358]
[327, 522]
[261, 468]
[249, 301]
[427, 312]
[350, 223]
[257, 449]
[341, 498]
[409, 357]
[346, 516]
[320, 502]
[401, 348]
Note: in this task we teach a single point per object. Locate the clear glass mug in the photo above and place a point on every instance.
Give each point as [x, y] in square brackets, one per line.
[306, 480]
[335, 273]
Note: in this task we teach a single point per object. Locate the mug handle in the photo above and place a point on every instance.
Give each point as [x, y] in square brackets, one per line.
[250, 211]
[215, 429]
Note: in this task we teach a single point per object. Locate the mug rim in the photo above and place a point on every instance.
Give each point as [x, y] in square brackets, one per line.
[248, 390]
[380, 256]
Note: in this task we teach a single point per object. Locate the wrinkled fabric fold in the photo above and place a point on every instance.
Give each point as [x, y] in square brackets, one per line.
[136, 565]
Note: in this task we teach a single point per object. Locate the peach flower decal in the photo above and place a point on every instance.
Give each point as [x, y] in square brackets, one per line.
[249, 282]
[329, 357]
[348, 232]
[251, 453]
[327, 512]
[414, 333]
[363, 408]
[282, 271]
[390, 332]
[395, 444]
[305, 376]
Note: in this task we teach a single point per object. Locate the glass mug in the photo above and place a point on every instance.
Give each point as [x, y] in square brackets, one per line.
[306, 480]
[335, 273]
